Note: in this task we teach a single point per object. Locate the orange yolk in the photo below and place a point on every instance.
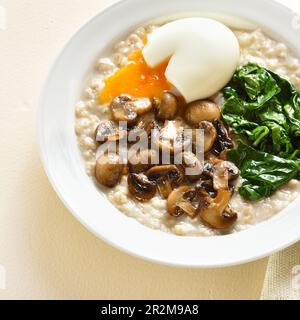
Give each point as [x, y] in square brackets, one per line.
[136, 79]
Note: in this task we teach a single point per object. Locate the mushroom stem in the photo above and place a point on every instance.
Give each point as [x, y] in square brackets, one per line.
[167, 178]
[140, 187]
[214, 212]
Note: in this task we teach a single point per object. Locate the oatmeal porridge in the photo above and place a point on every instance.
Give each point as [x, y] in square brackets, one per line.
[253, 204]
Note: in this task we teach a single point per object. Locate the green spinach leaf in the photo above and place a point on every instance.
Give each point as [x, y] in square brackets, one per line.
[264, 109]
[262, 173]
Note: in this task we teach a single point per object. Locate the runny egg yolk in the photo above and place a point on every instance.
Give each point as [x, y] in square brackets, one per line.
[136, 79]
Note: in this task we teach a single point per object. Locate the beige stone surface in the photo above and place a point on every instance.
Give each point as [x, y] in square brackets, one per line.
[45, 252]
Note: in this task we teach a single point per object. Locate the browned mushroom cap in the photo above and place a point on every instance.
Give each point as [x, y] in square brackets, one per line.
[175, 199]
[167, 178]
[142, 105]
[140, 187]
[223, 155]
[167, 108]
[172, 138]
[210, 134]
[126, 108]
[204, 137]
[223, 172]
[209, 156]
[215, 213]
[205, 188]
[107, 131]
[192, 165]
[186, 200]
[208, 169]
[230, 213]
[142, 130]
[109, 170]
[201, 110]
[223, 141]
[143, 160]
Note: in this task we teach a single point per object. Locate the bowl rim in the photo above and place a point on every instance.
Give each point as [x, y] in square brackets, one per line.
[44, 155]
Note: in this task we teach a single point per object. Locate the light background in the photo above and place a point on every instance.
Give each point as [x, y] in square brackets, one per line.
[47, 254]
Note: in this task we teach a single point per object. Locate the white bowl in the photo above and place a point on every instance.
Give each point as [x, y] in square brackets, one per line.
[65, 168]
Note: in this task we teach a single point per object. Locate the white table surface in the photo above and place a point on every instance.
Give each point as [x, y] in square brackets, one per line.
[45, 252]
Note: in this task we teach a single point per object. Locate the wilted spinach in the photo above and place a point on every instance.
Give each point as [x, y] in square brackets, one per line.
[264, 108]
[262, 173]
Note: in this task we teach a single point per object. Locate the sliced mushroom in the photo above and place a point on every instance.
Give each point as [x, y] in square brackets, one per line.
[223, 141]
[142, 130]
[167, 108]
[186, 200]
[146, 124]
[202, 110]
[176, 202]
[223, 173]
[126, 108]
[109, 170]
[167, 178]
[230, 213]
[191, 201]
[223, 155]
[209, 156]
[174, 198]
[141, 187]
[192, 165]
[208, 169]
[204, 137]
[172, 138]
[206, 188]
[107, 131]
[215, 214]
[126, 170]
[142, 105]
[210, 134]
[143, 160]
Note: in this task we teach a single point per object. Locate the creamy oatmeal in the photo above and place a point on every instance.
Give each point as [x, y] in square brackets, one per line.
[255, 47]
